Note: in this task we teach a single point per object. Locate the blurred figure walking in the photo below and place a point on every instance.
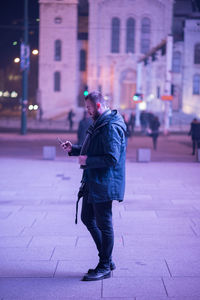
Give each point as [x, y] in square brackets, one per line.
[131, 123]
[154, 130]
[195, 134]
[70, 117]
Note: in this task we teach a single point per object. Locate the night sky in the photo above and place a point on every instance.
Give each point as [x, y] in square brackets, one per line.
[11, 28]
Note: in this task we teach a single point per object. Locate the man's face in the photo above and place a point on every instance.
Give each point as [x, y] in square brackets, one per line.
[92, 110]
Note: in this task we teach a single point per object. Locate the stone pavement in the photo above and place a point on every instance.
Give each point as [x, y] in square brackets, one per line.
[43, 254]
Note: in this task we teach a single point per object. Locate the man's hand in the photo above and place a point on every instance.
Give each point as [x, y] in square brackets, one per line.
[67, 146]
[82, 160]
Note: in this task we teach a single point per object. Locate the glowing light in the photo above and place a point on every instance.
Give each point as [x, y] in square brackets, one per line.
[30, 107]
[38, 20]
[16, 60]
[35, 52]
[142, 105]
[85, 93]
[150, 97]
[137, 97]
[35, 107]
[6, 94]
[14, 94]
[1, 93]
[14, 43]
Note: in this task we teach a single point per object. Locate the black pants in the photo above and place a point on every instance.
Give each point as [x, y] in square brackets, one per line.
[195, 144]
[97, 217]
[154, 139]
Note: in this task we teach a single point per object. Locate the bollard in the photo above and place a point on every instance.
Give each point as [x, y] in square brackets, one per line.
[143, 155]
[49, 152]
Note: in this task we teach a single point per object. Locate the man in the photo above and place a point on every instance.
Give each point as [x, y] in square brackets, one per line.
[70, 117]
[102, 157]
[195, 134]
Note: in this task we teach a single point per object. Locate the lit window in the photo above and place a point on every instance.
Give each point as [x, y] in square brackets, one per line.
[57, 50]
[176, 63]
[196, 84]
[145, 35]
[57, 81]
[82, 60]
[197, 54]
[115, 35]
[130, 35]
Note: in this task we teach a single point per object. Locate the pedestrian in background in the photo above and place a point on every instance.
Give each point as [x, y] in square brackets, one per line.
[131, 123]
[195, 134]
[70, 117]
[154, 130]
[144, 121]
[102, 157]
[83, 126]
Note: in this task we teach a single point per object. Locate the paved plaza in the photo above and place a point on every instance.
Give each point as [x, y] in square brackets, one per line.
[43, 254]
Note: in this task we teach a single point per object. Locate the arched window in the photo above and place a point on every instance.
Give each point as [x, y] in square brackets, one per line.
[145, 35]
[57, 76]
[57, 50]
[176, 62]
[82, 60]
[196, 84]
[130, 35]
[197, 54]
[115, 38]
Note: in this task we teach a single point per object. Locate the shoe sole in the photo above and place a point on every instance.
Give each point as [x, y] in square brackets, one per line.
[95, 279]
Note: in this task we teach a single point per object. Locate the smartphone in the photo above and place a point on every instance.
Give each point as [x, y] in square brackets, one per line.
[59, 140]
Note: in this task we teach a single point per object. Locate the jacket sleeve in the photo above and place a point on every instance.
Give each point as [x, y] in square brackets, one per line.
[76, 149]
[112, 139]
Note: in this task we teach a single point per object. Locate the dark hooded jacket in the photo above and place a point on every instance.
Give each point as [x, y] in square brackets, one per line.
[104, 172]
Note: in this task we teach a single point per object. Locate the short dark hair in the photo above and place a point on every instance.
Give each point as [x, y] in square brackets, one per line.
[96, 97]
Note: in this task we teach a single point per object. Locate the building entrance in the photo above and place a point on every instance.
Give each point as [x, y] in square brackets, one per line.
[128, 89]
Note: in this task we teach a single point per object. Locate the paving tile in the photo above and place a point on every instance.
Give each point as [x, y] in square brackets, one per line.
[60, 229]
[160, 227]
[162, 242]
[69, 286]
[14, 241]
[27, 268]
[4, 214]
[183, 287]
[177, 213]
[19, 253]
[10, 229]
[153, 298]
[139, 215]
[142, 268]
[11, 208]
[184, 268]
[152, 253]
[40, 241]
[167, 298]
[133, 287]
[67, 253]
[77, 264]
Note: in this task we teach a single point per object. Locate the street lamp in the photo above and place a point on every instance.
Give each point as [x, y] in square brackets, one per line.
[16, 60]
[35, 52]
[24, 67]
